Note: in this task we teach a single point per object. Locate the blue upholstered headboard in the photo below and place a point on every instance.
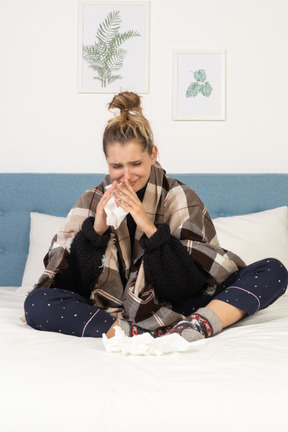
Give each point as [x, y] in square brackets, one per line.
[55, 194]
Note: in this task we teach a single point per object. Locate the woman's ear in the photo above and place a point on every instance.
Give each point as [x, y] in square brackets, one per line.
[154, 154]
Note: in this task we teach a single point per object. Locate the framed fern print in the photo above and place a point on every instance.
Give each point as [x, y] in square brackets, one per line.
[199, 84]
[113, 51]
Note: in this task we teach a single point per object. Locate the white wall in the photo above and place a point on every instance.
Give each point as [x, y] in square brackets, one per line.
[46, 126]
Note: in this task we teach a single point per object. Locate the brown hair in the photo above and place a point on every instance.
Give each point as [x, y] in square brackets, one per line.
[129, 125]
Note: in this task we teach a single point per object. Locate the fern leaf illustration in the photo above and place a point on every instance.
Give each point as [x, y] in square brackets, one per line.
[106, 55]
[119, 39]
[113, 78]
[109, 28]
[115, 60]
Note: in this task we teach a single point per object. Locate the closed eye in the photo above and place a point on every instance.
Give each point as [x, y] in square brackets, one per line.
[136, 163]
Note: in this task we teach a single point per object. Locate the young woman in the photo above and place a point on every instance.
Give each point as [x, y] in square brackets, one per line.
[162, 270]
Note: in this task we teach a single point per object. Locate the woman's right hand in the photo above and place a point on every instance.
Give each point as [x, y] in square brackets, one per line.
[100, 225]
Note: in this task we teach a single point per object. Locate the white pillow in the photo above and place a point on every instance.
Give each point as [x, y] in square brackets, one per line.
[43, 227]
[257, 235]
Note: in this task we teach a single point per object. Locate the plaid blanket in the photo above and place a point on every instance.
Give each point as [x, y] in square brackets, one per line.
[166, 200]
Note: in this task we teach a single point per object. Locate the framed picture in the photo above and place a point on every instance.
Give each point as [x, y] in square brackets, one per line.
[113, 51]
[199, 84]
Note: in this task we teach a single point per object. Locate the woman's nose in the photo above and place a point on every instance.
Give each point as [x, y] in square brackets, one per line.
[127, 173]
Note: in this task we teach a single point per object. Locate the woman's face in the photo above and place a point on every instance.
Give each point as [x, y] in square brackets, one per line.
[129, 162]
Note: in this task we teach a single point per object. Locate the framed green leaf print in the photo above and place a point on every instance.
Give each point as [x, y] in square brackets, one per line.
[113, 51]
[199, 84]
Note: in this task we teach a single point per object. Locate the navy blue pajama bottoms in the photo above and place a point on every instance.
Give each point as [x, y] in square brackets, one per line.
[250, 289]
[67, 312]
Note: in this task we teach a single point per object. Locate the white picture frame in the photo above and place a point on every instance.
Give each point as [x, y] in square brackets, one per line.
[126, 66]
[199, 84]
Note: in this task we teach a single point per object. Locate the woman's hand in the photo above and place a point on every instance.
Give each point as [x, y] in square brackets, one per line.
[127, 199]
[100, 225]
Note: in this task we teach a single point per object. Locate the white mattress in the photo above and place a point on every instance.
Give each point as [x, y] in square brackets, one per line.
[235, 381]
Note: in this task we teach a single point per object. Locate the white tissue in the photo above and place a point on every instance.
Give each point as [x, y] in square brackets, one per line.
[115, 214]
[146, 345]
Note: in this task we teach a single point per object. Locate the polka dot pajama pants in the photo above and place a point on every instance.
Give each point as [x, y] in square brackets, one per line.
[67, 312]
[250, 289]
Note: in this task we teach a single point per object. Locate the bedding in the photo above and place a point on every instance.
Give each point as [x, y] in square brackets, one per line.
[235, 381]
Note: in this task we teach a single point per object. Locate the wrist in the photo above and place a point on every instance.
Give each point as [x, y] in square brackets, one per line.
[150, 231]
[99, 230]
[88, 229]
[160, 236]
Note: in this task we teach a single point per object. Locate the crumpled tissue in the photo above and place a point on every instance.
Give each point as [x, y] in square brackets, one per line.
[115, 214]
[146, 345]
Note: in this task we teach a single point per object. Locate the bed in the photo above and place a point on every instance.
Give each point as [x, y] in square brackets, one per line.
[235, 381]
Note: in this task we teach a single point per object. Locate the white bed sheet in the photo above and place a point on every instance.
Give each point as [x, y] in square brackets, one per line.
[235, 381]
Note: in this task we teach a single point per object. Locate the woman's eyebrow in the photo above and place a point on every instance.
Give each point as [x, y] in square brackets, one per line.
[130, 162]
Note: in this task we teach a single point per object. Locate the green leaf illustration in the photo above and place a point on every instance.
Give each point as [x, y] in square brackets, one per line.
[106, 56]
[200, 75]
[193, 89]
[206, 89]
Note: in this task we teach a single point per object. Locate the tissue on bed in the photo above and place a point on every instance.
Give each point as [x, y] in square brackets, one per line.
[115, 214]
[146, 345]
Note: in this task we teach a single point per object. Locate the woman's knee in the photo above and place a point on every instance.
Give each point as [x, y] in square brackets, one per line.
[260, 283]
[275, 276]
[278, 269]
[272, 265]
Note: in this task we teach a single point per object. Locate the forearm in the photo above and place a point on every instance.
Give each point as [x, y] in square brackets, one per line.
[170, 269]
[84, 261]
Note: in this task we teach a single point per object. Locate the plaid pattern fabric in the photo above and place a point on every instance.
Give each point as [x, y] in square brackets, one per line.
[166, 200]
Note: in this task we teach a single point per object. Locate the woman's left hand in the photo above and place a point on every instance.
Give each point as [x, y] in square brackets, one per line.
[129, 201]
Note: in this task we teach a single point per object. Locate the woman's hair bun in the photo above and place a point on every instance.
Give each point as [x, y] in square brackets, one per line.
[126, 102]
[129, 125]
